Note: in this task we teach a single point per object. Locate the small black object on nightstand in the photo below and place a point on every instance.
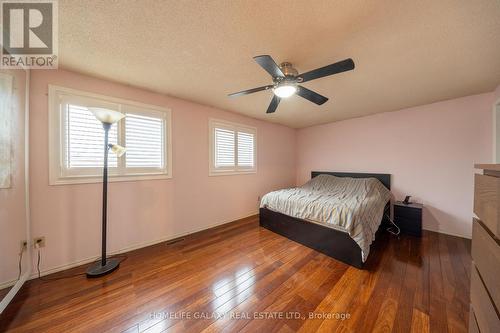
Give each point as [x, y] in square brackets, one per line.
[408, 217]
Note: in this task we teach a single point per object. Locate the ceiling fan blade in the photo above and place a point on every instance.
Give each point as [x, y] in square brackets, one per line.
[274, 104]
[266, 62]
[311, 95]
[338, 67]
[250, 91]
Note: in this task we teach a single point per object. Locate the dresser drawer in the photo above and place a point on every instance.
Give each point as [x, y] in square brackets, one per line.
[486, 255]
[486, 201]
[487, 319]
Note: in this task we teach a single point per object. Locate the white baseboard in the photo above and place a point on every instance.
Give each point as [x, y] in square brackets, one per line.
[447, 233]
[8, 284]
[133, 247]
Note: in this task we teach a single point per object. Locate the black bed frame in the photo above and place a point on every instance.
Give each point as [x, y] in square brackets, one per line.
[334, 243]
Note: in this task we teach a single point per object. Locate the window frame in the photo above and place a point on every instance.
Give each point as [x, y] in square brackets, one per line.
[60, 175]
[236, 127]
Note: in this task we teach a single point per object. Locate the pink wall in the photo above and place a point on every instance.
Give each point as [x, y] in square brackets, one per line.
[12, 205]
[429, 150]
[143, 212]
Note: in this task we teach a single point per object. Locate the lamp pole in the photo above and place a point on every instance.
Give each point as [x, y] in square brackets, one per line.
[105, 265]
[106, 127]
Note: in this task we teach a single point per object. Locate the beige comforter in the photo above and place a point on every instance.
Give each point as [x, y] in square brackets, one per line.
[351, 205]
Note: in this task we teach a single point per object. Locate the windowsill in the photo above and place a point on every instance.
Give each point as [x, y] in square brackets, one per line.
[111, 179]
[231, 173]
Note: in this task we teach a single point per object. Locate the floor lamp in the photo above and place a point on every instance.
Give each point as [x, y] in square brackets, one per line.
[107, 118]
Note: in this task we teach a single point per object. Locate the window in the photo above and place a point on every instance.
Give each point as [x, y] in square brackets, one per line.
[232, 148]
[5, 124]
[77, 139]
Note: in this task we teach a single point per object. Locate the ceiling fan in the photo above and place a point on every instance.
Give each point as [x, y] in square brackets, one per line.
[286, 80]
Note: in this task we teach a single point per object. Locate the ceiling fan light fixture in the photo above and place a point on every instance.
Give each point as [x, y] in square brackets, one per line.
[286, 80]
[284, 91]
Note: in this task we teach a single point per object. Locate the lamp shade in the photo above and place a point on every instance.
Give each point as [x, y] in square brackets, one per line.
[118, 150]
[106, 115]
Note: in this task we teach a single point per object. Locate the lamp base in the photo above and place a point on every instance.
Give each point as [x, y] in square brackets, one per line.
[96, 270]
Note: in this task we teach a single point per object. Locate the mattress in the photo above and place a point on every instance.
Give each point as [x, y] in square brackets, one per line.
[351, 205]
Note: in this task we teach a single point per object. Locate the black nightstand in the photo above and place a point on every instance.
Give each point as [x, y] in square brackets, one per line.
[408, 218]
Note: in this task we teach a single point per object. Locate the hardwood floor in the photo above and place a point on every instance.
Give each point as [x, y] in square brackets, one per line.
[248, 273]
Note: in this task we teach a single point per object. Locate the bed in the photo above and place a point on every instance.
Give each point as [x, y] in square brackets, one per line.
[319, 215]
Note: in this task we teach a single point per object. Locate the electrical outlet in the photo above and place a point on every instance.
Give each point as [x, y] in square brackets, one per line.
[39, 242]
[24, 245]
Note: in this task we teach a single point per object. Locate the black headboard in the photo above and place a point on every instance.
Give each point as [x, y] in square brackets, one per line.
[384, 178]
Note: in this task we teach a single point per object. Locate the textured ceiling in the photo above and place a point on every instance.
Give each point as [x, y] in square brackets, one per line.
[407, 53]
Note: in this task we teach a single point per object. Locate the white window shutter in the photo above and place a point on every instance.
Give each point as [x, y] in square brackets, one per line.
[224, 148]
[76, 139]
[246, 149]
[232, 148]
[144, 140]
[85, 139]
